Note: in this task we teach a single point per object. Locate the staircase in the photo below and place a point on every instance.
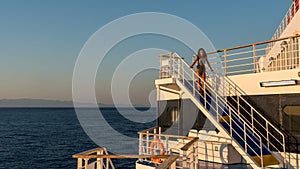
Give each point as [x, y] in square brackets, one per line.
[254, 137]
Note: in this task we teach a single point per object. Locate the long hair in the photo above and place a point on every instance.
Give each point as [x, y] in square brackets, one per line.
[204, 53]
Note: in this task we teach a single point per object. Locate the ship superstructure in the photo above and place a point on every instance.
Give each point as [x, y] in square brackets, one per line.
[247, 112]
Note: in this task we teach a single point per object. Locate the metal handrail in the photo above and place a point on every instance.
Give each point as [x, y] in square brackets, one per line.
[285, 133]
[253, 110]
[246, 58]
[99, 154]
[224, 102]
[239, 93]
[252, 44]
[187, 147]
[259, 123]
[285, 21]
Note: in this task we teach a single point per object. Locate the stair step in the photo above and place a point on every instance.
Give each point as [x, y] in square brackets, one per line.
[267, 160]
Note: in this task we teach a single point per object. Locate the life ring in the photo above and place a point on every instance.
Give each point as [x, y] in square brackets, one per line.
[154, 142]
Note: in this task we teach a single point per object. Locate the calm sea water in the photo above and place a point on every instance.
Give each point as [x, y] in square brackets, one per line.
[48, 137]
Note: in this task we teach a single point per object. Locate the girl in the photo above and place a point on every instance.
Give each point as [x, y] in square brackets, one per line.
[201, 58]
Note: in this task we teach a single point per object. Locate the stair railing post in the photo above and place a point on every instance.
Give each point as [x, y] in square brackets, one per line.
[193, 81]
[238, 104]
[217, 108]
[252, 119]
[182, 72]
[245, 137]
[261, 153]
[204, 92]
[268, 140]
[283, 146]
[230, 121]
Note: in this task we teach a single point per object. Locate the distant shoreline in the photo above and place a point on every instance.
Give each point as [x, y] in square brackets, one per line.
[142, 107]
[43, 103]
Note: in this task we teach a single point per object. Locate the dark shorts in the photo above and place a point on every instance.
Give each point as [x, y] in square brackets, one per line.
[201, 69]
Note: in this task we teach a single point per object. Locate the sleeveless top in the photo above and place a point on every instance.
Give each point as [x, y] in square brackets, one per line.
[201, 67]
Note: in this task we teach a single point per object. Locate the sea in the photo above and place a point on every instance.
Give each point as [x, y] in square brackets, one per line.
[48, 137]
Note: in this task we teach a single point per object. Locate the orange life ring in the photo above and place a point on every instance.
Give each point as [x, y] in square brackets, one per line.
[157, 141]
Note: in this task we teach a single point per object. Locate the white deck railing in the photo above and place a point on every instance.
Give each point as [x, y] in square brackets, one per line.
[285, 21]
[184, 146]
[254, 58]
[99, 158]
[93, 159]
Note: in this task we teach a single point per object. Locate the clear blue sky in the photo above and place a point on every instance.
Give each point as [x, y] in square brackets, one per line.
[40, 40]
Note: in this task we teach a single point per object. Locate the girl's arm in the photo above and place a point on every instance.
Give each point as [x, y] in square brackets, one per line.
[197, 58]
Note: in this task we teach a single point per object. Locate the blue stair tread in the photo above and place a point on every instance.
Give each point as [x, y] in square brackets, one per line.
[238, 135]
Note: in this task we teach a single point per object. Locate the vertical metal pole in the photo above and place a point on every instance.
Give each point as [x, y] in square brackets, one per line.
[98, 163]
[225, 62]
[154, 132]
[298, 51]
[283, 146]
[217, 108]
[140, 144]
[158, 105]
[101, 161]
[238, 104]
[160, 67]
[261, 153]
[245, 137]
[252, 119]
[147, 142]
[230, 122]
[255, 59]
[204, 91]
[292, 52]
[167, 144]
[193, 81]
[173, 65]
[182, 72]
[79, 163]
[86, 161]
[159, 132]
[267, 128]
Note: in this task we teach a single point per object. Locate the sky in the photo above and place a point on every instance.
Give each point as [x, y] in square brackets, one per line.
[41, 40]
